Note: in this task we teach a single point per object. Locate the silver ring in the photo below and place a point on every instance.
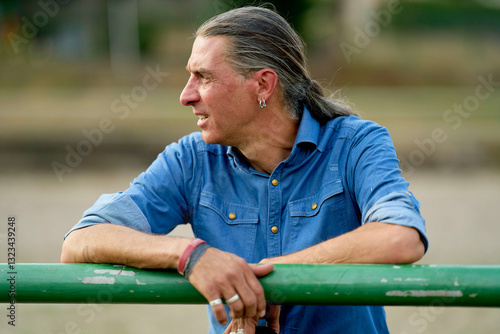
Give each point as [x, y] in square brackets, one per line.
[215, 302]
[233, 299]
[240, 331]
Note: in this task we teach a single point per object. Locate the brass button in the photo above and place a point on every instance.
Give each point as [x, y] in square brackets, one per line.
[274, 229]
[232, 215]
[314, 206]
[274, 182]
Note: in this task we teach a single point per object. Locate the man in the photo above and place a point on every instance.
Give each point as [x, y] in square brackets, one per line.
[279, 174]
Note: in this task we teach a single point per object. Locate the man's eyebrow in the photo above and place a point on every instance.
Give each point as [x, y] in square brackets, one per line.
[200, 70]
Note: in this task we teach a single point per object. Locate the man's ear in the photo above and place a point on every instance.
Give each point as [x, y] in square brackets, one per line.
[266, 79]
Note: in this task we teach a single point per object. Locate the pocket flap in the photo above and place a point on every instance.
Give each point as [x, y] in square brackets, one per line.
[311, 205]
[232, 213]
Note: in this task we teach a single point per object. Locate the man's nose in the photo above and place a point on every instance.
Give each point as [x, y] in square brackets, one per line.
[189, 94]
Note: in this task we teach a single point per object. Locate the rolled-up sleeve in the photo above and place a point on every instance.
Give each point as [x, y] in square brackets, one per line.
[398, 208]
[118, 209]
[156, 200]
[381, 193]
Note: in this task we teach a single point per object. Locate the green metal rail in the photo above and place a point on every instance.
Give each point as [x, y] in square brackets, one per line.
[358, 284]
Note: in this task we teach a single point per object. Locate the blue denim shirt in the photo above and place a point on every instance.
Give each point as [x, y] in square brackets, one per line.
[339, 175]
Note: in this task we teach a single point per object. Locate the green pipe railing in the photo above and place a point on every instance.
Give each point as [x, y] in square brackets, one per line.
[353, 284]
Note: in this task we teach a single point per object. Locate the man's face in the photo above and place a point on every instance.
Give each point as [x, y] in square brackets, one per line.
[225, 103]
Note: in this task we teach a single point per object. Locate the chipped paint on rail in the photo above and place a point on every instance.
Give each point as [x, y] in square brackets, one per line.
[98, 280]
[424, 293]
[115, 272]
[410, 279]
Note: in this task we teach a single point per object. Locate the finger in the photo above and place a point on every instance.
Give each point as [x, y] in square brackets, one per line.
[218, 309]
[237, 306]
[248, 325]
[246, 305]
[238, 324]
[208, 284]
[262, 269]
[250, 328]
[220, 314]
[258, 292]
[230, 275]
[246, 285]
[273, 321]
[233, 284]
[274, 325]
[231, 327]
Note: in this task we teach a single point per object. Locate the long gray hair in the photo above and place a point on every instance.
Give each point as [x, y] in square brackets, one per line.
[261, 38]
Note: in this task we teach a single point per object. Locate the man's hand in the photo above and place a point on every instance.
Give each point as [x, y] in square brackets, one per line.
[222, 275]
[272, 318]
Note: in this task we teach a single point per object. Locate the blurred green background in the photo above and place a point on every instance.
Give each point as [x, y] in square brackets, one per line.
[63, 65]
[89, 95]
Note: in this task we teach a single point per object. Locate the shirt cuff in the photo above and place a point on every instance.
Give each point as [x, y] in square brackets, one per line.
[399, 209]
[86, 222]
[117, 209]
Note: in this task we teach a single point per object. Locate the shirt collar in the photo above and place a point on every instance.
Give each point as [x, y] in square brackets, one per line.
[239, 160]
[308, 129]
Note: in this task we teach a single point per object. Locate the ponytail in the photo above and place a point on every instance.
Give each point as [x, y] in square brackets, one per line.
[321, 107]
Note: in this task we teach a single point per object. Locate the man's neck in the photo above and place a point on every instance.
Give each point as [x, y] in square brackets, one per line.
[273, 143]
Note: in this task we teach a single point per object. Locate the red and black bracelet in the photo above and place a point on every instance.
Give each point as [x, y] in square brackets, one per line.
[188, 259]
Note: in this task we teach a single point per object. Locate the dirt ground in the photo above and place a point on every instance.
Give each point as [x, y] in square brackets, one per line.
[459, 207]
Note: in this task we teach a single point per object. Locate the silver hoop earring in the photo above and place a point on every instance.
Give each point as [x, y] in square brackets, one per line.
[262, 103]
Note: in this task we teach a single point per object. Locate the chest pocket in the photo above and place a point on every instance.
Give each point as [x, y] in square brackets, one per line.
[318, 217]
[312, 205]
[228, 226]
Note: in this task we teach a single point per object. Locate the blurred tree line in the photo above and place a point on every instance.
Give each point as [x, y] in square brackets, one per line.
[62, 62]
[125, 34]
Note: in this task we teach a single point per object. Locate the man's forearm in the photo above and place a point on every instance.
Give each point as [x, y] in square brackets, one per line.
[370, 243]
[216, 275]
[109, 243]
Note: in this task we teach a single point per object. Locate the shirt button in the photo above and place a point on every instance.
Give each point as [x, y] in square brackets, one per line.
[274, 182]
[232, 215]
[274, 229]
[314, 206]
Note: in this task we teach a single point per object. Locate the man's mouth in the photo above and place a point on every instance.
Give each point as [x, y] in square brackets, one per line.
[202, 119]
